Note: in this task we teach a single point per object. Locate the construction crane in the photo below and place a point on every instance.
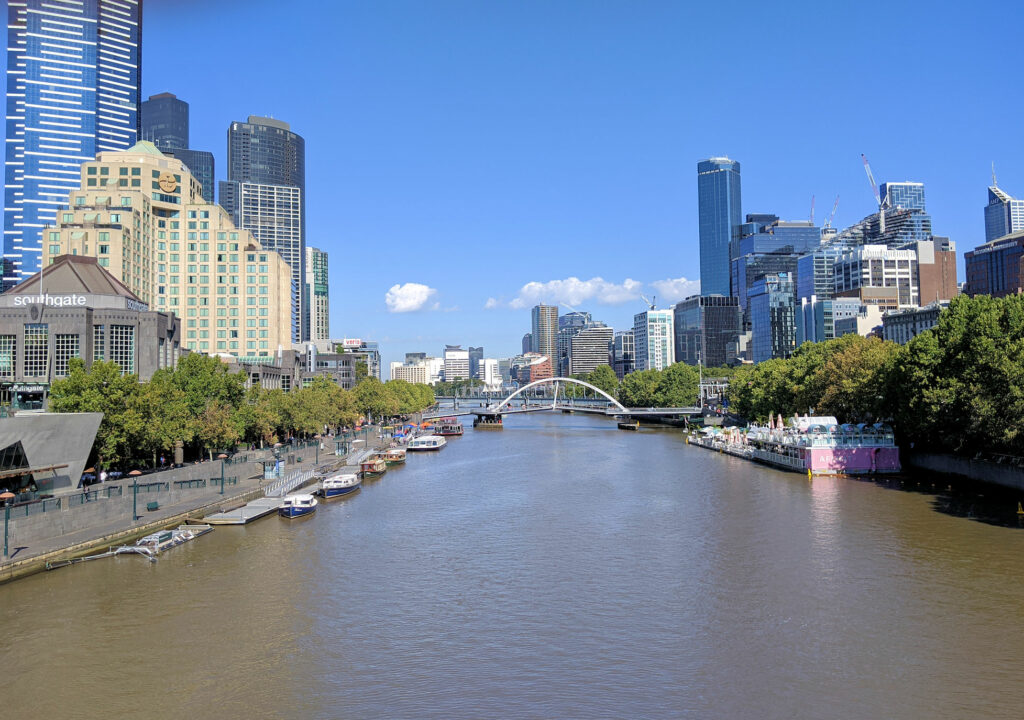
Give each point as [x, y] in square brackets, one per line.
[650, 304]
[874, 189]
[832, 215]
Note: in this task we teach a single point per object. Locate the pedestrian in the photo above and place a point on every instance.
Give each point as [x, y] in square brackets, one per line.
[103, 476]
[162, 462]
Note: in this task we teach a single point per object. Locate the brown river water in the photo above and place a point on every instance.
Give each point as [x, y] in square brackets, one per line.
[558, 568]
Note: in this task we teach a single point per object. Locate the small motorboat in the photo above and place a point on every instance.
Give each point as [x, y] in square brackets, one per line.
[159, 541]
[394, 456]
[375, 466]
[297, 506]
[338, 485]
[448, 426]
[427, 442]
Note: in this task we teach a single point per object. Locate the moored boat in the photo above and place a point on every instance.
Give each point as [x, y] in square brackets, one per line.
[373, 466]
[427, 442]
[159, 541]
[448, 427]
[298, 506]
[487, 422]
[395, 456]
[338, 485]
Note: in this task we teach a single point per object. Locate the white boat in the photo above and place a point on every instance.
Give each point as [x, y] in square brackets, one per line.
[338, 485]
[297, 506]
[160, 541]
[427, 442]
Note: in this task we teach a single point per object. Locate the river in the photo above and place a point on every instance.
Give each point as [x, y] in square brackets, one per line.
[558, 568]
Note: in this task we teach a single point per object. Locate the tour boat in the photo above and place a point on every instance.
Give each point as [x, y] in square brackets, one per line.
[395, 456]
[427, 442]
[373, 467]
[448, 426]
[487, 422]
[297, 506]
[338, 485]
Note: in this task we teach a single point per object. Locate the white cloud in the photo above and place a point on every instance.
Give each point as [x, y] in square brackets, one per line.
[674, 290]
[573, 291]
[409, 298]
[491, 304]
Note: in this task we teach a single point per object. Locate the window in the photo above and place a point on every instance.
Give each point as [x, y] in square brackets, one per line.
[8, 355]
[122, 347]
[126, 202]
[37, 341]
[65, 347]
[115, 217]
[69, 217]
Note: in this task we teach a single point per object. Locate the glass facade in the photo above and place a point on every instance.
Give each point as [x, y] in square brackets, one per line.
[122, 347]
[165, 121]
[317, 296]
[902, 195]
[815, 272]
[201, 164]
[73, 90]
[1003, 214]
[718, 210]
[37, 350]
[623, 353]
[768, 249]
[704, 327]
[773, 318]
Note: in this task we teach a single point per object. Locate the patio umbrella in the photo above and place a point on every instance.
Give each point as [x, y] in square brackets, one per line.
[89, 470]
[135, 472]
[222, 456]
[6, 496]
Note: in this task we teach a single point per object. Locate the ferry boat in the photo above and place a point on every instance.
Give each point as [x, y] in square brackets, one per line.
[338, 485]
[297, 506]
[372, 467]
[487, 422]
[394, 456]
[815, 445]
[427, 442]
[448, 426]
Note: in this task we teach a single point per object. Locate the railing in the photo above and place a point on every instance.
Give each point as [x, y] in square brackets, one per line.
[152, 487]
[197, 483]
[35, 507]
[280, 487]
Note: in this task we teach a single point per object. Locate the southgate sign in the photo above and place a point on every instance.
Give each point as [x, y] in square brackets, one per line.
[54, 300]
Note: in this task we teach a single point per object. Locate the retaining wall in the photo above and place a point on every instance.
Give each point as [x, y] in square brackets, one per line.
[1007, 475]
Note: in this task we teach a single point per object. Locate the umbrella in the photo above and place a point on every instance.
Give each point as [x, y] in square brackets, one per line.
[410, 425]
[90, 470]
[6, 495]
[222, 456]
[135, 472]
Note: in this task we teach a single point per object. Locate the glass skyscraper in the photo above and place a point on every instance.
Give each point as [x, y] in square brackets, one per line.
[1003, 214]
[773, 307]
[718, 210]
[266, 194]
[768, 246]
[73, 87]
[164, 122]
[902, 195]
[704, 326]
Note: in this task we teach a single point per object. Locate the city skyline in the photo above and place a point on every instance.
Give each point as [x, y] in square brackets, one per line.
[481, 131]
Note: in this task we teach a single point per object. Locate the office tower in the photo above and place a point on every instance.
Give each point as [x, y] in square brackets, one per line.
[704, 326]
[765, 246]
[73, 88]
[906, 219]
[489, 373]
[475, 355]
[589, 348]
[773, 307]
[265, 194]
[568, 325]
[815, 272]
[176, 252]
[545, 330]
[994, 268]
[653, 339]
[902, 195]
[317, 296]
[456, 363]
[623, 353]
[718, 210]
[1003, 214]
[527, 343]
[816, 317]
[879, 275]
[165, 123]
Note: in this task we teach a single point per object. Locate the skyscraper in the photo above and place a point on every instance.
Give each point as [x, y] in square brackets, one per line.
[73, 87]
[265, 194]
[1003, 214]
[704, 325]
[545, 331]
[317, 319]
[165, 124]
[623, 354]
[654, 339]
[718, 210]
[476, 354]
[589, 348]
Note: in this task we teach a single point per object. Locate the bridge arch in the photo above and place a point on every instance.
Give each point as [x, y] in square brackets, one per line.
[555, 381]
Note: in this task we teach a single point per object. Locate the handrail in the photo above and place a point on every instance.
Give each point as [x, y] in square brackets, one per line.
[279, 487]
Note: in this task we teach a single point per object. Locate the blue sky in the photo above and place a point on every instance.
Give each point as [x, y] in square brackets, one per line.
[477, 147]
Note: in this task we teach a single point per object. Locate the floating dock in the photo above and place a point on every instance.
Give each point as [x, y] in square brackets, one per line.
[247, 513]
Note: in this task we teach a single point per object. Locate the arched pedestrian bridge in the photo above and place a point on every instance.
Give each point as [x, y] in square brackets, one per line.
[602, 403]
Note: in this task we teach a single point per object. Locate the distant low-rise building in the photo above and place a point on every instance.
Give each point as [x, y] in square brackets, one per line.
[867, 322]
[903, 325]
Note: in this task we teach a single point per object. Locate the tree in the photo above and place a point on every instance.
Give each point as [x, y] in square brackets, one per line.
[161, 414]
[677, 386]
[216, 427]
[604, 377]
[639, 388]
[372, 399]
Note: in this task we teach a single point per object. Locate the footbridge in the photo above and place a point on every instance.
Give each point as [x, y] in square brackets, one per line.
[600, 404]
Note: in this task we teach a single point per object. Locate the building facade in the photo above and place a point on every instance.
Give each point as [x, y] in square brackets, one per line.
[456, 363]
[78, 310]
[902, 326]
[719, 215]
[768, 246]
[476, 354]
[164, 121]
[544, 330]
[653, 340]
[73, 89]
[878, 266]
[318, 301]
[141, 215]
[1004, 215]
[773, 325]
[994, 268]
[623, 353]
[410, 372]
[704, 325]
[589, 348]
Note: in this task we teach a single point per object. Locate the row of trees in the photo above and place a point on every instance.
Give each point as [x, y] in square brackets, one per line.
[207, 408]
[956, 387]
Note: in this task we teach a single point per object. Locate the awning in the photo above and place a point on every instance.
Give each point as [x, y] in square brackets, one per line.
[25, 471]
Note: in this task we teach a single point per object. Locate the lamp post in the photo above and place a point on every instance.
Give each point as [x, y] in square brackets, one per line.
[222, 476]
[135, 498]
[7, 519]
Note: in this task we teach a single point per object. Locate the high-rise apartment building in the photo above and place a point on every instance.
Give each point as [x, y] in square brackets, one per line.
[265, 194]
[544, 330]
[718, 211]
[773, 306]
[590, 348]
[317, 296]
[654, 339]
[141, 215]
[1004, 215]
[704, 325]
[623, 353]
[165, 123]
[73, 88]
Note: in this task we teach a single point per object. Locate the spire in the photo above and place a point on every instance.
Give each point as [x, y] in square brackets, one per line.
[994, 183]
